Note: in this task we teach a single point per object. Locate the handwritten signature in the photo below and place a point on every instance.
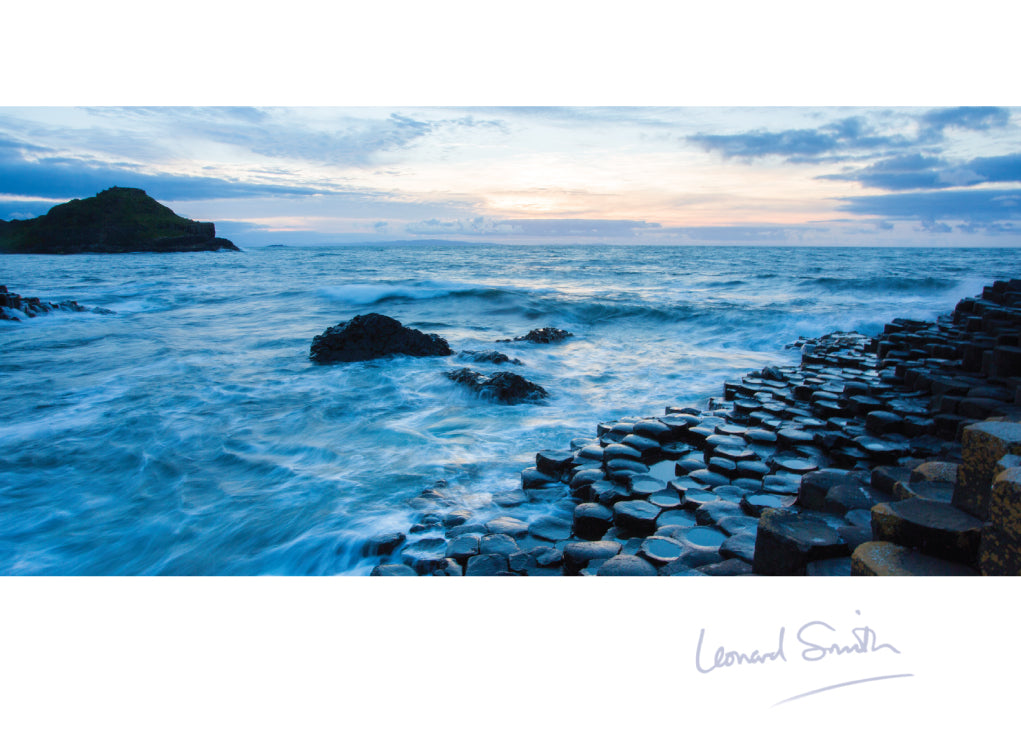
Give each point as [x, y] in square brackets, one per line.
[817, 640]
[811, 635]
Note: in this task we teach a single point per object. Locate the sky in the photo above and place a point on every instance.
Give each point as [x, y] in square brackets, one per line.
[625, 175]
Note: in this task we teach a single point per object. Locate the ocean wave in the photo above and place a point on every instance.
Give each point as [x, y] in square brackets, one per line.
[371, 293]
[927, 284]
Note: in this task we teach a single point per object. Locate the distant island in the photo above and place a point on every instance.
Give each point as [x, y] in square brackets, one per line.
[117, 220]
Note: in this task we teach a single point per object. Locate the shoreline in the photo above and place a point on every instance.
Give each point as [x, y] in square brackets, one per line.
[856, 460]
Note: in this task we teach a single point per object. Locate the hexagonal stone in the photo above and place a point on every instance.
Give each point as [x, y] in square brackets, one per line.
[787, 541]
[934, 471]
[849, 496]
[734, 525]
[741, 546]
[711, 513]
[393, 570]
[621, 451]
[486, 565]
[551, 529]
[882, 558]
[636, 515]
[982, 445]
[668, 499]
[508, 526]
[701, 537]
[708, 478]
[498, 543]
[623, 565]
[578, 555]
[660, 550]
[462, 547]
[532, 478]
[383, 544]
[933, 528]
[644, 485]
[425, 555]
[548, 556]
[647, 446]
[814, 486]
[592, 520]
[554, 463]
[676, 517]
[795, 465]
[510, 498]
[754, 504]
[937, 491]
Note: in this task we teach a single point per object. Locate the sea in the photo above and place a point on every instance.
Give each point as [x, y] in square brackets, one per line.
[188, 433]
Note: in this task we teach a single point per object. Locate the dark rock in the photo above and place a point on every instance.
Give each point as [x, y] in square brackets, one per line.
[425, 555]
[393, 570]
[829, 567]
[373, 336]
[554, 463]
[117, 220]
[462, 547]
[532, 478]
[507, 525]
[787, 541]
[580, 554]
[933, 528]
[551, 529]
[740, 546]
[541, 335]
[489, 357]
[504, 387]
[712, 512]
[728, 568]
[755, 504]
[498, 543]
[636, 515]
[486, 565]
[814, 486]
[660, 550]
[383, 544]
[676, 517]
[623, 565]
[547, 556]
[882, 558]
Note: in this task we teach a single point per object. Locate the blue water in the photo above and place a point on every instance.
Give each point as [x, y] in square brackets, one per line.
[188, 433]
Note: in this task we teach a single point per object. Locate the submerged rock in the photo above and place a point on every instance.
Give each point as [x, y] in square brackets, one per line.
[489, 357]
[373, 336]
[504, 387]
[548, 334]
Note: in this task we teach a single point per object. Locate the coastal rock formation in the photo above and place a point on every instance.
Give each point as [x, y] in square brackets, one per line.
[117, 220]
[548, 334]
[373, 336]
[505, 387]
[13, 306]
[893, 455]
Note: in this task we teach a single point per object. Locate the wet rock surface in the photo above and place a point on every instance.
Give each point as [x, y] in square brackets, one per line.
[373, 336]
[14, 307]
[503, 387]
[548, 334]
[897, 454]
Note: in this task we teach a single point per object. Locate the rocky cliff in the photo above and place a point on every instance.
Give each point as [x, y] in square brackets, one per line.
[117, 220]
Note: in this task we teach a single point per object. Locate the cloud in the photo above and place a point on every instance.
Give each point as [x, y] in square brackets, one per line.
[978, 206]
[801, 144]
[47, 175]
[848, 136]
[968, 118]
[931, 226]
[918, 172]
